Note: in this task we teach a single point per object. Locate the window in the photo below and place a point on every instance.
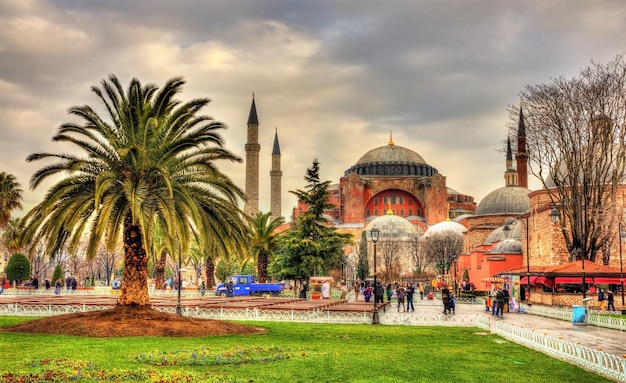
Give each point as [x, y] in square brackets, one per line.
[410, 212]
[376, 201]
[368, 213]
[376, 212]
[402, 213]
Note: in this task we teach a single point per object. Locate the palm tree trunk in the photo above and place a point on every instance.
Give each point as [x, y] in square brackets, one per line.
[210, 273]
[159, 270]
[135, 274]
[261, 268]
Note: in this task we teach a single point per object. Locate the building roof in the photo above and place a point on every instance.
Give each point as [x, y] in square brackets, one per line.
[392, 228]
[446, 226]
[391, 160]
[507, 200]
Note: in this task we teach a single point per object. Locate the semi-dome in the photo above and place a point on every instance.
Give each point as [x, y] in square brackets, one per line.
[392, 228]
[505, 200]
[391, 160]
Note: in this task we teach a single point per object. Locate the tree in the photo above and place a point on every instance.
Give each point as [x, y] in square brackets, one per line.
[18, 268]
[264, 240]
[442, 248]
[10, 197]
[58, 274]
[152, 162]
[363, 266]
[311, 246]
[576, 135]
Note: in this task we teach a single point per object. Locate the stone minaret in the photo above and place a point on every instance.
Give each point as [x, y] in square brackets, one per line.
[522, 155]
[275, 176]
[510, 176]
[252, 163]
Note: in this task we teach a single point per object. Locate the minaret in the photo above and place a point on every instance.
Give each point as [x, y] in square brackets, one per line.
[252, 163]
[522, 155]
[275, 176]
[510, 176]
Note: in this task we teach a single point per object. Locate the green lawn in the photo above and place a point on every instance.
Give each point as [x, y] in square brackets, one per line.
[288, 352]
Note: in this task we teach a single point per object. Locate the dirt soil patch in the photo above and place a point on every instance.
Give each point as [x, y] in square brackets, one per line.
[123, 321]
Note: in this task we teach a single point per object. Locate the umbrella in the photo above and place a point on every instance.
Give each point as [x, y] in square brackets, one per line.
[493, 280]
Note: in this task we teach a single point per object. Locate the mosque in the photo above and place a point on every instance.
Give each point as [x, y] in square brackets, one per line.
[508, 234]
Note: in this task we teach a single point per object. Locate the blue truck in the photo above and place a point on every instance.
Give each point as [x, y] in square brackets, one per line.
[246, 285]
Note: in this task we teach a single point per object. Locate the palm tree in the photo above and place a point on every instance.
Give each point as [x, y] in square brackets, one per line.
[10, 197]
[152, 163]
[263, 240]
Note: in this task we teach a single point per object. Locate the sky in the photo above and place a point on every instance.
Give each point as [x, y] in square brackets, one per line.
[333, 78]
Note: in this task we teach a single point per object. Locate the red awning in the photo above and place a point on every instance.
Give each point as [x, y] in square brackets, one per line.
[590, 280]
[561, 280]
[609, 281]
[537, 280]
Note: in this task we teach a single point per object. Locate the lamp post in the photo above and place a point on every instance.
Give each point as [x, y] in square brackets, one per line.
[622, 238]
[179, 309]
[375, 233]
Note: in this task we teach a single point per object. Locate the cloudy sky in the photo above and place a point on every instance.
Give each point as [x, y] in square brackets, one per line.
[334, 77]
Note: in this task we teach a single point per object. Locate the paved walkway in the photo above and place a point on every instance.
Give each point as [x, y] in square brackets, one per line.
[607, 340]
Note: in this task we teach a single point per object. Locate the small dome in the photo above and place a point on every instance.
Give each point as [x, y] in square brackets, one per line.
[446, 226]
[505, 200]
[498, 234]
[508, 246]
[392, 228]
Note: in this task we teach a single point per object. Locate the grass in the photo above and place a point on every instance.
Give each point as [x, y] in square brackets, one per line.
[293, 352]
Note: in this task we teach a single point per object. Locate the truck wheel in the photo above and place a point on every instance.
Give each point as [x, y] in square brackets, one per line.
[222, 294]
[275, 293]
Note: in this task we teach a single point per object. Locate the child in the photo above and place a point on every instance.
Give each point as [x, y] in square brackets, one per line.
[400, 296]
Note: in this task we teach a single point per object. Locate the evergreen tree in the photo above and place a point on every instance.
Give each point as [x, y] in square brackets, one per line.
[311, 246]
[58, 274]
[18, 268]
[363, 265]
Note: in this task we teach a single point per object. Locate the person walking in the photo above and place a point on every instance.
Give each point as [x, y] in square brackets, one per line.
[610, 300]
[400, 296]
[326, 290]
[445, 298]
[57, 287]
[500, 298]
[389, 292]
[357, 290]
[379, 294]
[410, 290]
[420, 286]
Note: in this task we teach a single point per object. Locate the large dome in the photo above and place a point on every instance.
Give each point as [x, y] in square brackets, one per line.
[505, 200]
[391, 160]
[391, 153]
[392, 228]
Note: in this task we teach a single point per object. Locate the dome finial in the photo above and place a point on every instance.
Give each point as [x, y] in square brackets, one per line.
[389, 211]
[390, 143]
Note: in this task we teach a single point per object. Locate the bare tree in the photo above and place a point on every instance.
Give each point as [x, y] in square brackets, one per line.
[441, 248]
[106, 262]
[575, 132]
[390, 252]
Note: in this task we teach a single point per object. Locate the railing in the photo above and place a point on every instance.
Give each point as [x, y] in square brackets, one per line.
[600, 362]
[598, 318]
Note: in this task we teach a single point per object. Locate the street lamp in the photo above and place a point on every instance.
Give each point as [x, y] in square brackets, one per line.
[179, 309]
[374, 234]
[622, 238]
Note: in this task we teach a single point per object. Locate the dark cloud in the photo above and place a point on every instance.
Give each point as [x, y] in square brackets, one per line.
[335, 78]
